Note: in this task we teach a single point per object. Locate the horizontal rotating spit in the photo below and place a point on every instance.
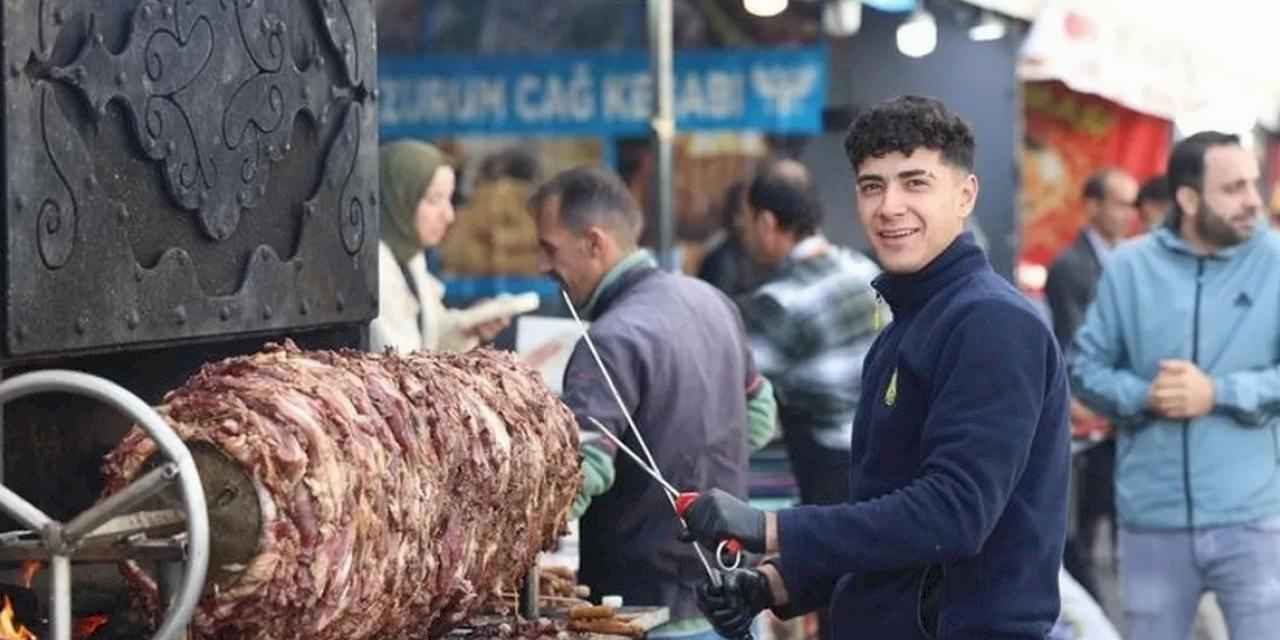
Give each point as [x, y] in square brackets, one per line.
[108, 531]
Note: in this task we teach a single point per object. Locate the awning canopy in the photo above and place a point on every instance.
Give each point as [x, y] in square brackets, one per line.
[1186, 60]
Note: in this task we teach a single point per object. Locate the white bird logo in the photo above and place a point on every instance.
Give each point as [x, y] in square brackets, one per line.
[784, 87]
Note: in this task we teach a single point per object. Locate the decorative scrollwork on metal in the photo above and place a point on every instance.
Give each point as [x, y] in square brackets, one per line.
[174, 67]
[246, 112]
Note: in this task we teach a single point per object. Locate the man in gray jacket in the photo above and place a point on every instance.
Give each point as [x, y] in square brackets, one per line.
[1181, 350]
[675, 348]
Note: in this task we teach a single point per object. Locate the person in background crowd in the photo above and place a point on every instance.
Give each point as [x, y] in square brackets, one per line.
[416, 187]
[728, 267]
[1154, 202]
[960, 446]
[1275, 207]
[675, 348]
[810, 325]
[1109, 200]
[1180, 351]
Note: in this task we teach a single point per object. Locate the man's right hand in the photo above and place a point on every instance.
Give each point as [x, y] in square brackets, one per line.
[734, 605]
[1181, 391]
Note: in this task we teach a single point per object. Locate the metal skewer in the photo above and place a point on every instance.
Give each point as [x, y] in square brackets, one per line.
[652, 466]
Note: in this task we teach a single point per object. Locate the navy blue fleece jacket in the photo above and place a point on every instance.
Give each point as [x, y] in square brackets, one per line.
[959, 478]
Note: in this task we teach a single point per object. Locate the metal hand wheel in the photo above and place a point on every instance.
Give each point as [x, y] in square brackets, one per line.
[61, 541]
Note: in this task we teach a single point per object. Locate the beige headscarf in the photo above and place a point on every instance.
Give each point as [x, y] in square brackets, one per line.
[407, 166]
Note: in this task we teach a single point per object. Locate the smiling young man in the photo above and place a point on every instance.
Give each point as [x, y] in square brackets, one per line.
[1181, 350]
[960, 445]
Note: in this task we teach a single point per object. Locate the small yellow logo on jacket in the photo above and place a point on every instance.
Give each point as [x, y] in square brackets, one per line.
[891, 391]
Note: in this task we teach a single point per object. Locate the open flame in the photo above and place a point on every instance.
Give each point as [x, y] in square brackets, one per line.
[29, 570]
[7, 630]
[82, 629]
[86, 626]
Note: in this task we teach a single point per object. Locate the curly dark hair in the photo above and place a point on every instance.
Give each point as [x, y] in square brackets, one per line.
[905, 124]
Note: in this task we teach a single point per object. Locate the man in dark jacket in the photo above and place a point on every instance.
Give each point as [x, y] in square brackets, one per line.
[675, 349]
[960, 445]
[1110, 201]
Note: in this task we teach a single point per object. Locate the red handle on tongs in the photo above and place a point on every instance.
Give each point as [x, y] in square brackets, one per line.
[687, 498]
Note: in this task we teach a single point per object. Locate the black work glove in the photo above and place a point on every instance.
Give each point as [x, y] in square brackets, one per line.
[717, 515]
[734, 605]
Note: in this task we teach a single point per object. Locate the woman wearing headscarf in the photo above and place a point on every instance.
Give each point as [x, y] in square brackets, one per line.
[417, 192]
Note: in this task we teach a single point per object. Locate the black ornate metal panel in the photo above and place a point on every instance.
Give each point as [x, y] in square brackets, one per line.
[186, 168]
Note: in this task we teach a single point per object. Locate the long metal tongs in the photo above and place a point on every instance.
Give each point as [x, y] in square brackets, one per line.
[622, 406]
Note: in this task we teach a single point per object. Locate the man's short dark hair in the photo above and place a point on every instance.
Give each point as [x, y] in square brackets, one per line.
[785, 188]
[1155, 189]
[589, 196]
[908, 123]
[1095, 188]
[1186, 165]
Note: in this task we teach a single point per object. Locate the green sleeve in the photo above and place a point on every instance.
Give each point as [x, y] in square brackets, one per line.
[597, 477]
[762, 415]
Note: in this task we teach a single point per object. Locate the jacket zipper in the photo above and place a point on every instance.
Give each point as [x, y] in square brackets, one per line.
[1186, 424]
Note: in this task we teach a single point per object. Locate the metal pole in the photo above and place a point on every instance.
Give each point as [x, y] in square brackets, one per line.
[60, 598]
[126, 499]
[529, 593]
[663, 124]
[24, 512]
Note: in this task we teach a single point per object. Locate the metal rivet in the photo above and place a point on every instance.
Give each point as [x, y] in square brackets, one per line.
[203, 198]
[342, 302]
[304, 308]
[309, 209]
[266, 312]
[320, 62]
[224, 313]
[146, 12]
[271, 150]
[91, 182]
[168, 12]
[169, 147]
[121, 78]
[288, 147]
[98, 39]
[180, 314]
[82, 325]
[266, 23]
[376, 94]
[122, 212]
[262, 190]
[132, 319]
[242, 198]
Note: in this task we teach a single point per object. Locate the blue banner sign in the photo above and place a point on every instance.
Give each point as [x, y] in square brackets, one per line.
[600, 94]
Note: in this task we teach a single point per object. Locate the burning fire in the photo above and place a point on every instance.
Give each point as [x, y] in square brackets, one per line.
[86, 626]
[29, 570]
[7, 630]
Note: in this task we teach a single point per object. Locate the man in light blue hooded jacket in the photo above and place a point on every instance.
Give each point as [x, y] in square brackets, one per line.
[1181, 349]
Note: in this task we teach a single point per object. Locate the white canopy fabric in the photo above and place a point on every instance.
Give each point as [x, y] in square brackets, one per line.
[1197, 62]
